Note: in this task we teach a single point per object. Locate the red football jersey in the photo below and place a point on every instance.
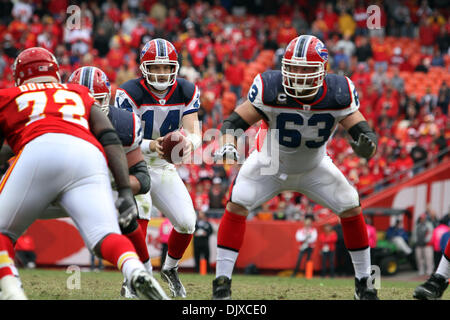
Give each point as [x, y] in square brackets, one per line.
[34, 109]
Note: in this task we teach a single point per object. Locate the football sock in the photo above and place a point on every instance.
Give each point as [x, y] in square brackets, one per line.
[229, 241]
[148, 266]
[119, 251]
[177, 244]
[444, 265]
[143, 224]
[225, 262]
[170, 262]
[357, 242]
[138, 240]
[6, 257]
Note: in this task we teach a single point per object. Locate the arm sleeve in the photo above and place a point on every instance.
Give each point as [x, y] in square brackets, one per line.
[194, 104]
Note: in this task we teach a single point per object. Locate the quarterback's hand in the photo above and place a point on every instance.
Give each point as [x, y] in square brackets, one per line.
[127, 207]
[226, 152]
[364, 147]
[155, 145]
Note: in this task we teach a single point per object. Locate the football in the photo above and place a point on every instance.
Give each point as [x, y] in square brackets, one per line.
[172, 145]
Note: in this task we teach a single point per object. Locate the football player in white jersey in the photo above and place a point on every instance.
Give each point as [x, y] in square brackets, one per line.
[165, 104]
[301, 107]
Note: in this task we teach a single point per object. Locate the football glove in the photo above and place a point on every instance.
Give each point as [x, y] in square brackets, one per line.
[127, 207]
[364, 147]
[226, 152]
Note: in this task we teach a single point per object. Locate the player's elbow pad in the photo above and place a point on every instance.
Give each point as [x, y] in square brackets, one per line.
[140, 171]
[363, 127]
[234, 122]
[108, 137]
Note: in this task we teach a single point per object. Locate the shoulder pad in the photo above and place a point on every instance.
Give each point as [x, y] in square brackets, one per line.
[339, 89]
[123, 122]
[272, 85]
[134, 89]
[187, 88]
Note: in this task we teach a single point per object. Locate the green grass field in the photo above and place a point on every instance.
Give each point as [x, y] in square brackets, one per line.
[42, 284]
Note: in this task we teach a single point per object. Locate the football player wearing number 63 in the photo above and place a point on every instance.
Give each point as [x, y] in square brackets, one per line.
[62, 143]
[165, 103]
[300, 107]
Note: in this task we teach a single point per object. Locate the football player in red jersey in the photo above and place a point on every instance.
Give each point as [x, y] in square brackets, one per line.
[301, 107]
[128, 127]
[62, 143]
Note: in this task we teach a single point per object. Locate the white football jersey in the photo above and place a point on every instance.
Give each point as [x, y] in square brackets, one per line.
[294, 133]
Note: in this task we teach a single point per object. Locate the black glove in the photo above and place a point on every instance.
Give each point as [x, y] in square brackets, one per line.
[364, 147]
[127, 207]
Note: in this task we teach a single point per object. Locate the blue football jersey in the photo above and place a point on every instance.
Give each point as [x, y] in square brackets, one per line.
[128, 127]
[159, 115]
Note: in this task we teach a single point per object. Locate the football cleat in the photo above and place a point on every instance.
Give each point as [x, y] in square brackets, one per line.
[221, 288]
[432, 289]
[171, 277]
[363, 292]
[127, 292]
[11, 288]
[146, 287]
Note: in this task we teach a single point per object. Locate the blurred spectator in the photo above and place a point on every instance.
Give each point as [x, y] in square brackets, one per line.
[360, 17]
[371, 233]
[203, 230]
[234, 73]
[306, 237]
[201, 197]
[23, 10]
[397, 58]
[438, 232]
[364, 50]
[327, 240]
[398, 236]
[217, 194]
[347, 24]
[158, 11]
[421, 238]
[418, 155]
[347, 45]
[189, 72]
[387, 104]
[427, 36]
[397, 82]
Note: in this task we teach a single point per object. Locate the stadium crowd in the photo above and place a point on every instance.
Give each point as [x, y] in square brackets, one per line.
[400, 69]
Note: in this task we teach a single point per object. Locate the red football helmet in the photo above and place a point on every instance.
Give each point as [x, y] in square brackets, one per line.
[35, 65]
[159, 52]
[97, 82]
[304, 51]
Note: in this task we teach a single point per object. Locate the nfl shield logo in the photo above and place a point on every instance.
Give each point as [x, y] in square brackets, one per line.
[162, 101]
